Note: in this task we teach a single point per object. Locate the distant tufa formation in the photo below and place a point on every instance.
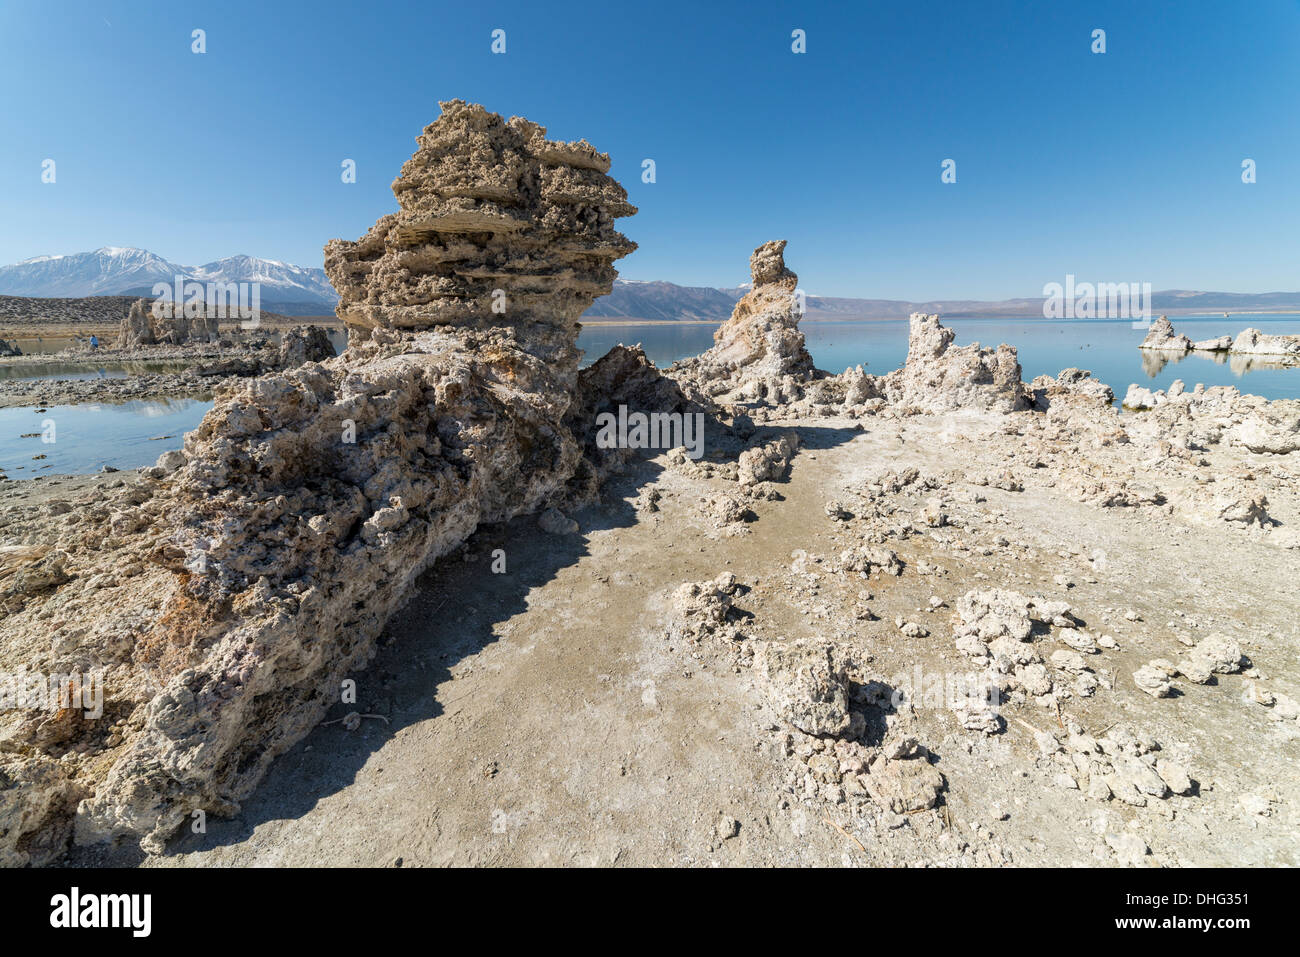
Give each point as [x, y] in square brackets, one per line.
[148, 325]
[941, 377]
[1161, 338]
[759, 363]
[759, 353]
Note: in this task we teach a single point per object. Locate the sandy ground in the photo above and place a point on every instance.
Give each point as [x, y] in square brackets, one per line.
[551, 715]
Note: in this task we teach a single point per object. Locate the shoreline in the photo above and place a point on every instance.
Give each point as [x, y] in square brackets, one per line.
[1282, 316]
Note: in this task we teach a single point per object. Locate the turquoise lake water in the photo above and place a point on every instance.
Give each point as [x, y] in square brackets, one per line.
[1109, 349]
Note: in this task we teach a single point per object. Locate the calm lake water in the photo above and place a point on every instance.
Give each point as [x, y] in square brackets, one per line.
[133, 434]
[1108, 349]
[88, 437]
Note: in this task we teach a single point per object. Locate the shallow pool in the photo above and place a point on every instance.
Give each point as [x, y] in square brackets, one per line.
[77, 439]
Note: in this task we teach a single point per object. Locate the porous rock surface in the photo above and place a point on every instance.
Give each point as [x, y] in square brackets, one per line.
[228, 595]
[1252, 342]
[939, 376]
[759, 354]
[1162, 338]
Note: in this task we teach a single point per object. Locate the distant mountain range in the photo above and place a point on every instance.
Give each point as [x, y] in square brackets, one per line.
[664, 300]
[305, 291]
[125, 271]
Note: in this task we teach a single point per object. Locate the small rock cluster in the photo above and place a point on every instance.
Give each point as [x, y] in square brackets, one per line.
[845, 734]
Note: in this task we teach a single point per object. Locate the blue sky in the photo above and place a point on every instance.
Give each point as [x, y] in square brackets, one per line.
[1122, 166]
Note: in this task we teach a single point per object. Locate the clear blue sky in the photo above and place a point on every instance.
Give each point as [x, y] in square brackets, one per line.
[1124, 166]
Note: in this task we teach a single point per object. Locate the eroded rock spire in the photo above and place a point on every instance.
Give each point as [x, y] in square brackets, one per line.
[759, 353]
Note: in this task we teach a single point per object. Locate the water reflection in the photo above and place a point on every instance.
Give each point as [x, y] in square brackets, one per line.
[85, 370]
[75, 439]
[1153, 363]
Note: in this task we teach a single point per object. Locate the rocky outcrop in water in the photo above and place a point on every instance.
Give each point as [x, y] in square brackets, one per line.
[1162, 338]
[1252, 342]
[1249, 342]
[229, 596]
[7, 349]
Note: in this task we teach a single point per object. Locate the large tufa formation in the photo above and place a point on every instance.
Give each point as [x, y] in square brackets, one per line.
[1252, 342]
[229, 596]
[939, 376]
[499, 230]
[759, 353]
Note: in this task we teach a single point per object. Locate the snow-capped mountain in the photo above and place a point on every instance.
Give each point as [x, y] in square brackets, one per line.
[104, 272]
[114, 270]
[285, 278]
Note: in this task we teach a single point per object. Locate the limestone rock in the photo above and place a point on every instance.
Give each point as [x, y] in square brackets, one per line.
[903, 779]
[767, 462]
[940, 377]
[1130, 850]
[1255, 343]
[806, 686]
[304, 344]
[759, 355]
[1073, 384]
[1140, 398]
[1153, 678]
[701, 609]
[1273, 429]
[165, 323]
[498, 228]
[996, 613]
[622, 377]
[1213, 654]
[1162, 338]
